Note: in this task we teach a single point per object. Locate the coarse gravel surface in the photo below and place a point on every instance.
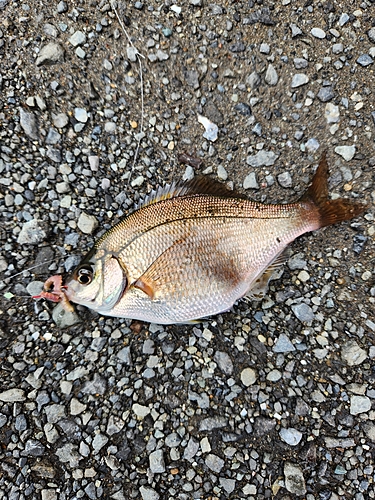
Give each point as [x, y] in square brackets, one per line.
[274, 399]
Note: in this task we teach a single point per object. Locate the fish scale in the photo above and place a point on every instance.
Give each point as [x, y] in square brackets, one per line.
[219, 259]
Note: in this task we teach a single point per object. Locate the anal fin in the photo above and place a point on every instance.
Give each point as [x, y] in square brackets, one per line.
[259, 287]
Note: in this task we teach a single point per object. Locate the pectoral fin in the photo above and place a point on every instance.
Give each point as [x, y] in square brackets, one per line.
[146, 285]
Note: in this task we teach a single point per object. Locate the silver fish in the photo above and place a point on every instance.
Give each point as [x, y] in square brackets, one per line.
[192, 251]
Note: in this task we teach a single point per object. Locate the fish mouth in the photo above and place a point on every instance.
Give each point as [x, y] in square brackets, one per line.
[55, 291]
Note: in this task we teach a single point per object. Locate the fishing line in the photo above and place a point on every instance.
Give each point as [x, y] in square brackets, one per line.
[30, 268]
[138, 55]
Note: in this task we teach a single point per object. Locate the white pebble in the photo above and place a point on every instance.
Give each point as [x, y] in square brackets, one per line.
[87, 223]
[347, 152]
[80, 115]
[222, 173]
[318, 33]
[248, 376]
[138, 181]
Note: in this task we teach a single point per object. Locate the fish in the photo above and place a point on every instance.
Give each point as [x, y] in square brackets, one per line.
[191, 251]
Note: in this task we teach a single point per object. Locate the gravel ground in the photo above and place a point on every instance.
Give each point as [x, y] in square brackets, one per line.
[273, 400]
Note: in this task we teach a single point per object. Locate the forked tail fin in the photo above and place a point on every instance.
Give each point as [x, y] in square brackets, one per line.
[330, 211]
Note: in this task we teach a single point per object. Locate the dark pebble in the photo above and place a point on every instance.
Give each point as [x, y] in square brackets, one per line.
[326, 94]
[243, 108]
[29, 195]
[237, 47]
[359, 243]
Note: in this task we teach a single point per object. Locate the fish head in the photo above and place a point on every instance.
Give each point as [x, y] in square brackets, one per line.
[98, 282]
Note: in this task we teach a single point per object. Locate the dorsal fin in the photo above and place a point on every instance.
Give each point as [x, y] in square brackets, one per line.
[199, 185]
[206, 185]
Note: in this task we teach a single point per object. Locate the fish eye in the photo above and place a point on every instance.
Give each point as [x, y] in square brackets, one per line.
[84, 275]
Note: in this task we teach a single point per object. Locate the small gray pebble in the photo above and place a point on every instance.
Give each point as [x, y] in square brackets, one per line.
[222, 173]
[54, 154]
[332, 113]
[124, 355]
[312, 145]
[299, 79]
[300, 63]
[162, 56]
[12, 395]
[63, 318]
[51, 53]
[53, 137]
[352, 353]
[262, 158]
[359, 404]
[148, 493]
[80, 53]
[291, 436]
[191, 449]
[296, 31]
[253, 80]
[211, 423]
[33, 448]
[337, 48]
[110, 127]
[326, 94]
[62, 7]
[35, 287]
[87, 223]
[271, 77]
[283, 344]
[78, 38]
[285, 179]
[318, 33]
[344, 18]
[29, 124]
[250, 181]
[214, 462]
[192, 78]
[49, 29]
[32, 233]
[365, 60]
[248, 376]
[60, 120]
[172, 440]
[224, 362]
[98, 442]
[294, 480]
[243, 108]
[347, 152]
[371, 34]
[81, 115]
[188, 174]
[107, 65]
[303, 312]
[157, 464]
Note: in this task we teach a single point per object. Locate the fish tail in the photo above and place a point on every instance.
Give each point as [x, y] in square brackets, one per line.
[329, 211]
